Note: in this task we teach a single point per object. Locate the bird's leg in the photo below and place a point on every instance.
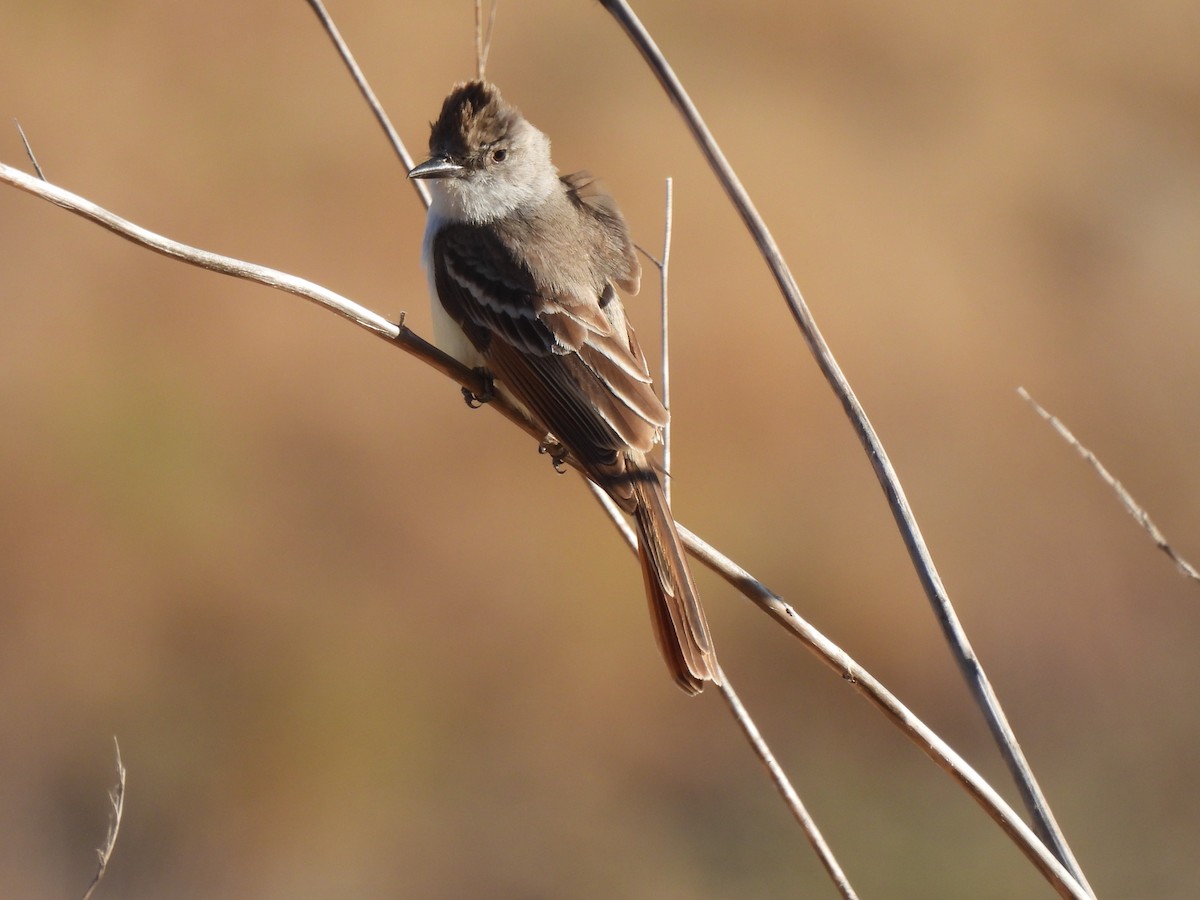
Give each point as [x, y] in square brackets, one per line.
[474, 400]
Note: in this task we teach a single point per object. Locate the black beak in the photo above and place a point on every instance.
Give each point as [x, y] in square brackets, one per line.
[437, 167]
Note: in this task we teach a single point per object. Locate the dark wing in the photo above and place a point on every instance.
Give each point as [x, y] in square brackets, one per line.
[568, 356]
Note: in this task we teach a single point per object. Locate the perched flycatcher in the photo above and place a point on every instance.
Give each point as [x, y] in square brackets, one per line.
[522, 268]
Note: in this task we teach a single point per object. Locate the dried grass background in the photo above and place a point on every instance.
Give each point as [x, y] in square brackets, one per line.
[358, 641]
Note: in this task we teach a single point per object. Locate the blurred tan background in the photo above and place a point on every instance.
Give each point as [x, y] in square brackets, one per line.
[358, 641]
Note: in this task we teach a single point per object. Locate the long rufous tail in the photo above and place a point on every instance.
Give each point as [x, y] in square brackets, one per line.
[675, 611]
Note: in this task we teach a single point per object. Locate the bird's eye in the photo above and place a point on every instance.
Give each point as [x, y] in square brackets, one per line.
[499, 155]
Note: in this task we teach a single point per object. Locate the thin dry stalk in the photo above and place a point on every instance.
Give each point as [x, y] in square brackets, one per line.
[116, 799]
[483, 39]
[807, 823]
[664, 269]
[919, 554]
[29, 151]
[664, 279]
[1131, 505]
[369, 95]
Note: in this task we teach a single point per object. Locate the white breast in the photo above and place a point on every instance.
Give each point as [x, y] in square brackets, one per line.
[447, 334]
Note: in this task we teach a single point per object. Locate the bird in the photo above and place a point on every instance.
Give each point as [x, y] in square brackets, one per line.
[523, 268]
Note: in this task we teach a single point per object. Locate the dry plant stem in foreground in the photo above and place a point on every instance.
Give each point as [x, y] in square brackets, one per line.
[906, 522]
[227, 265]
[483, 38]
[369, 95]
[785, 788]
[832, 655]
[1131, 505]
[116, 799]
[664, 330]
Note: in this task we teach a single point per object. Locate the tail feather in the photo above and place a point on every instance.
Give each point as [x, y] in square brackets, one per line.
[675, 611]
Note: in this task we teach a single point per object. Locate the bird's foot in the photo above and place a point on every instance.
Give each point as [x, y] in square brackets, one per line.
[557, 452]
[473, 400]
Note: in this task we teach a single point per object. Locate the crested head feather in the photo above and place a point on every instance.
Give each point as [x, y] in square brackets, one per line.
[474, 116]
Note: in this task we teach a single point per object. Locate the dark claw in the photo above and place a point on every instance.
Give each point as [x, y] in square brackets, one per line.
[558, 453]
[474, 400]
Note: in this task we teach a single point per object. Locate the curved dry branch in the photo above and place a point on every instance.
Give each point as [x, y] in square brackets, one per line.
[227, 265]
